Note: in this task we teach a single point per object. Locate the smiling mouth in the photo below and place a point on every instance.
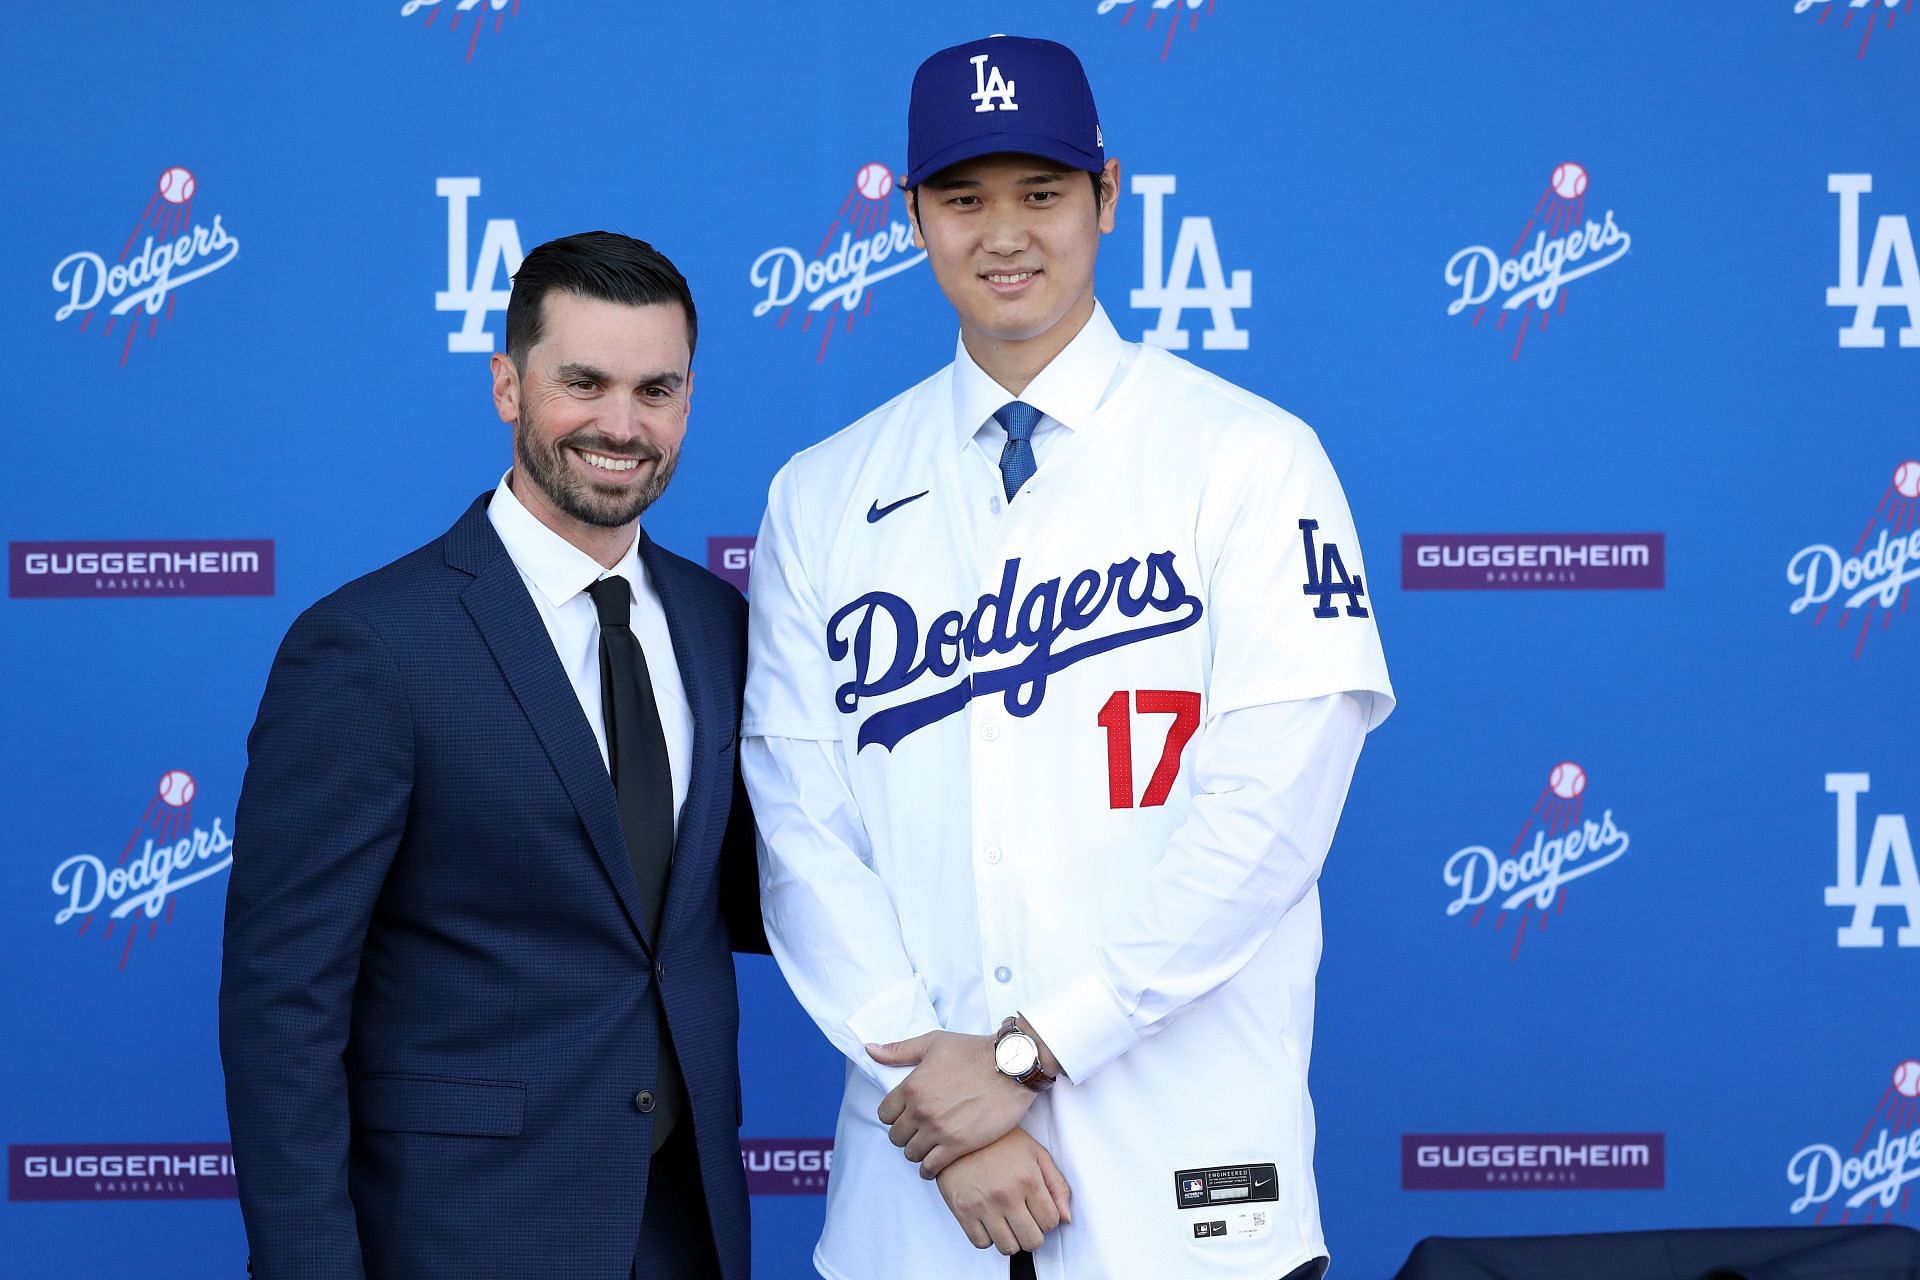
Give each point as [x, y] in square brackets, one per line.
[608, 463]
[1008, 278]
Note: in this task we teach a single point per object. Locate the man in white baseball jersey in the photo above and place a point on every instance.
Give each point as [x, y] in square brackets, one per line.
[1060, 665]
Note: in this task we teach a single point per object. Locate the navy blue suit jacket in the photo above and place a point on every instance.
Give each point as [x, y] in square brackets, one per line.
[437, 1003]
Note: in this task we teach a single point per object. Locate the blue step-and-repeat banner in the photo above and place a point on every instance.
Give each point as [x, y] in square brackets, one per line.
[1608, 314]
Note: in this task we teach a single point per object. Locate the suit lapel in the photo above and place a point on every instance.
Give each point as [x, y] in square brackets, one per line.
[690, 645]
[508, 622]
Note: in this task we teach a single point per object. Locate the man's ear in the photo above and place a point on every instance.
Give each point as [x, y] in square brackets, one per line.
[506, 387]
[1109, 194]
[913, 217]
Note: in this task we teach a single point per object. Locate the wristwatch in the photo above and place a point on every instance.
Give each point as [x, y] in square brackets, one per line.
[1017, 1057]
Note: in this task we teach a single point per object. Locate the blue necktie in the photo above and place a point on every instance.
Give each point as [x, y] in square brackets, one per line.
[1017, 463]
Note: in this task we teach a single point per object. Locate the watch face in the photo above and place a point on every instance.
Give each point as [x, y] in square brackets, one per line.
[1015, 1055]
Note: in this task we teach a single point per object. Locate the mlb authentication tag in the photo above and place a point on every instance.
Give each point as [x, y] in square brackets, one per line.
[1225, 1184]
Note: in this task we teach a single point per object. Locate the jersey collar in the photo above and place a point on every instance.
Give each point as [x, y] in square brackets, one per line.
[1068, 390]
[555, 566]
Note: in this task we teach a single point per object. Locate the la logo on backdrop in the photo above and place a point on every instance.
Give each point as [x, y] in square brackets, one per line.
[112, 896]
[1889, 880]
[1530, 880]
[1892, 275]
[863, 245]
[498, 10]
[1872, 10]
[1873, 1173]
[174, 249]
[1532, 278]
[1172, 10]
[478, 286]
[1872, 582]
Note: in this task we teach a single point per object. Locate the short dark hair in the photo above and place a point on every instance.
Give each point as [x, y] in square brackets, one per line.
[603, 265]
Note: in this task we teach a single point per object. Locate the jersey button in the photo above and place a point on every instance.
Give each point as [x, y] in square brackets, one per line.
[990, 733]
[993, 505]
[1003, 974]
[993, 855]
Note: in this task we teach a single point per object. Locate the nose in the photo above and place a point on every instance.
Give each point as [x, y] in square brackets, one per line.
[1005, 233]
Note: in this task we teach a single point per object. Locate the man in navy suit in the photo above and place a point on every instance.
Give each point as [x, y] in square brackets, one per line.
[492, 855]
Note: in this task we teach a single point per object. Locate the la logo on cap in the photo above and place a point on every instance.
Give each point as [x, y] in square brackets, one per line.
[991, 85]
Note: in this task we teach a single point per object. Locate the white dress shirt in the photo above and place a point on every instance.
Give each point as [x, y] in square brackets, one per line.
[1106, 807]
[557, 575]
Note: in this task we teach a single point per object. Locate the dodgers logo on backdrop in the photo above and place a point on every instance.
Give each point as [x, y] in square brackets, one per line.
[1533, 875]
[1168, 287]
[1891, 278]
[486, 290]
[498, 10]
[175, 249]
[166, 853]
[1157, 9]
[1889, 879]
[863, 245]
[1532, 278]
[1874, 577]
[1873, 1172]
[1872, 10]
[1126, 603]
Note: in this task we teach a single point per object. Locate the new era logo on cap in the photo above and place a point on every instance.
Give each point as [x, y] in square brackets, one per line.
[1002, 94]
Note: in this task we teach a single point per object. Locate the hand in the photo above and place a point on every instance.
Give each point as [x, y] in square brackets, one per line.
[953, 1104]
[1008, 1194]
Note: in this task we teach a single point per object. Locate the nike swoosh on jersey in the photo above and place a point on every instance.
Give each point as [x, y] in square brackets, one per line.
[876, 513]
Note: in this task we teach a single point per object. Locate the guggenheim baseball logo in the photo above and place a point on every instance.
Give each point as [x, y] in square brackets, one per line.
[1531, 279]
[786, 1166]
[1877, 1170]
[1533, 1161]
[1555, 847]
[865, 244]
[1872, 580]
[166, 853]
[120, 1171]
[177, 567]
[1533, 561]
[174, 249]
[731, 557]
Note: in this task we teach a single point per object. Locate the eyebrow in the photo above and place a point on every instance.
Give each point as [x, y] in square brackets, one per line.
[1032, 180]
[575, 369]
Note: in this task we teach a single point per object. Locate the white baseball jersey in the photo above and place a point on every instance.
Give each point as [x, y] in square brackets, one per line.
[1078, 756]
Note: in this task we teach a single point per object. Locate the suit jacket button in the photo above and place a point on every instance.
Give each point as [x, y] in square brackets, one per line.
[643, 1102]
[660, 972]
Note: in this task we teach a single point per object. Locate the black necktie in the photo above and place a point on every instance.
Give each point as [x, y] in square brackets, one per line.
[643, 784]
[636, 749]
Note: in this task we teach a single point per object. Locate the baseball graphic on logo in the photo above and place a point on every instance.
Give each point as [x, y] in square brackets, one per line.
[176, 185]
[1567, 780]
[176, 787]
[1569, 180]
[1906, 1078]
[1906, 478]
[874, 181]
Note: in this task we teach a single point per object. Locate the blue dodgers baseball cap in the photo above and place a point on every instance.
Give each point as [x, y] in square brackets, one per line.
[1003, 93]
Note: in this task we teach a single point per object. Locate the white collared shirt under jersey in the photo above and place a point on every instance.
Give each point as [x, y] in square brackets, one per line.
[1080, 756]
[557, 575]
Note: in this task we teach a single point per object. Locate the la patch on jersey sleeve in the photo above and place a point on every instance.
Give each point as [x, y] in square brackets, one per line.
[1291, 602]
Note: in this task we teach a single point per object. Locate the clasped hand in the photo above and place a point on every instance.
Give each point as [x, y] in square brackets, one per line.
[954, 1102]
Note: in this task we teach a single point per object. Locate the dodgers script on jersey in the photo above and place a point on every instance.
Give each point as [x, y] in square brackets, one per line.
[1013, 695]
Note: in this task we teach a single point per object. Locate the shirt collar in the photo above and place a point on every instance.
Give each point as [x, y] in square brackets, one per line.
[557, 568]
[1068, 390]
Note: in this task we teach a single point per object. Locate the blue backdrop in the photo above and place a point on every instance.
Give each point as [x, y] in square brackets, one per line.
[1700, 213]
